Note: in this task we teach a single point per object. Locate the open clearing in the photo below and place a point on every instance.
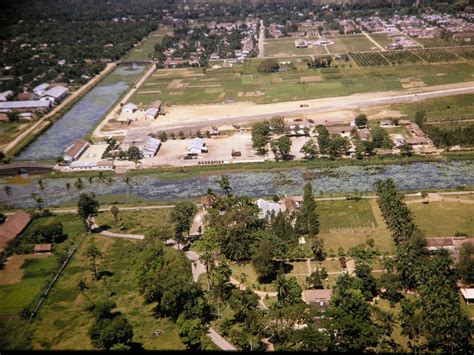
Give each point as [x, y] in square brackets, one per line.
[145, 50]
[444, 219]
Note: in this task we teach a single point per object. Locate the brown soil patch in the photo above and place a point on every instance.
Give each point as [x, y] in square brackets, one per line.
[12, 272]
[277, 81]
[221, 95]
[149, 92]
[206, 86]
[176, 84]
[176, 93]
[240, 94]
[410, 83]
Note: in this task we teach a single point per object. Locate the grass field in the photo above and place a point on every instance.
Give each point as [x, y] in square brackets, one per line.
[381, 38]
[443, 219]
[136, 222]
[145, 50]
[63, 322]
[285, 47]
[17, 296]
[349, 223]
[245, 83]
[435, 42]
[444, 109]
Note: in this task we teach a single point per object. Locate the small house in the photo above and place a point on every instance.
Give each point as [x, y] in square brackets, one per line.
[157, 104]
[4, 96]
[41, 89]
[129, 108]
[151, 113]
[468, 295]
[266, 208]
[75, 150]
[56, 94]
[43, 248]
[151, 147]
[196, 147]
[12, 227]
[317, 298]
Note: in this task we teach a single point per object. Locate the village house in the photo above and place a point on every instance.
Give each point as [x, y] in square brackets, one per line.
[266, 208]
[344, 131]
[468, 295]
[74, 151]
[317, 298]
[151, 113]
[43, 248]
[56, 94]
[12, 227]
[129, 108]
[288, 204]
[20, 106]
[196, 147]
[150, 148]
[301, 43]
[452, 244]
[157, 104]
[40, 89]
[4, 117]
[4, 96]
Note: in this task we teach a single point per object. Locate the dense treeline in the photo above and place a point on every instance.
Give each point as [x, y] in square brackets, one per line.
[36, 35]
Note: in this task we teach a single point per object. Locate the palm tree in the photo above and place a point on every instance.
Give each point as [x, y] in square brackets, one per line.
[41, 186]
[82, 286]
[282, 287]
[91, 180]
[68, 186]
[78, 184]
[102, 178]
[129, 184]
[38, 200]
[8, 191]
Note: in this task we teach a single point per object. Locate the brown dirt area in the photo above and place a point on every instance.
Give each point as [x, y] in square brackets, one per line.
[12, 272]
[311, 79]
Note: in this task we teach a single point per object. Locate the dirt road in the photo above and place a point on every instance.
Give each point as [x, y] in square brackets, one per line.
[82, 90]
[373, 41]
[187, 116]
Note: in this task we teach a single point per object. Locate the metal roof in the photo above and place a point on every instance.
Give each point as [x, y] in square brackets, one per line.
[24, 104]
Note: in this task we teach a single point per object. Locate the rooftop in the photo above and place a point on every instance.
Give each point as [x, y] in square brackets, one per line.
[13, 226]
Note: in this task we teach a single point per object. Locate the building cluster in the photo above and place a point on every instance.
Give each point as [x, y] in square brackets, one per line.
[450, 23]
[42, 98]
[131, 112]
[303, 43]
[223, 32]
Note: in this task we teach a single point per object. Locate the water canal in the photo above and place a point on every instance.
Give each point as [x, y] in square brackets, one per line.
[343, 179]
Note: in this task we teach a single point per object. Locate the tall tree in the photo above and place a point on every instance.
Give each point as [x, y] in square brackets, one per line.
[93, 254]
[182, 217]
[87, 208]
[307, 220]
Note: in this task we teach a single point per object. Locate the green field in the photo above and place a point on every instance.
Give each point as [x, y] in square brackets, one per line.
[37, 272]
[452, 108]
[63, 321]
[285, 47]
[135, 222]
[244, 83]
[435, 42]
[146, 48]
[443, 219]
[345, 226]
[381, 38]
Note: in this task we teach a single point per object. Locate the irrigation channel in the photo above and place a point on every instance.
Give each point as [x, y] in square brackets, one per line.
[83, 116]
[343, 179]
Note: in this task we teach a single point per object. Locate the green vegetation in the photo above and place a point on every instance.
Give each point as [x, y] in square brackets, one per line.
[18, 296]
[455, 217]
[145, 50]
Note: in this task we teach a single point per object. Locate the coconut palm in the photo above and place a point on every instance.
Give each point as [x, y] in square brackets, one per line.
[129, 184]
[68, 186]
[90, 179]
[8, 191]
[78, 184]
[82, 286]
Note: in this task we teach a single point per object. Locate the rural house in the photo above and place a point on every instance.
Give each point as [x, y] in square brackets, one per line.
[12, 227]
[196, 147]
[151, 147]
[129, 108]
[317, 298]
[266, 208]
[55, 95]
[74, 151]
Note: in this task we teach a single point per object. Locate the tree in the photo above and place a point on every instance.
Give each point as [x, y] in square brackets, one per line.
[208, 250]
[307, 220]
[219, 276]
[289, 292]
[309, 149]
[314, 281]
[224, 183]
[317, 247]
[406, 150]
[348, 319]
[260, 133]
[115, 212]
[133, 154]
[82, 286]
[87, 208]
[107, 333]
[277, 123]
[411, 321]
[380, 138]
[8, 191]
[78, 184]
[268, 66]
[465, 266]
[93, 254]
[361, 120]
[262, 260]
[338, 146]
[364, 281]
[190, 331]
[242, 302]
[182, 217]
[323, 138]
[281, 147]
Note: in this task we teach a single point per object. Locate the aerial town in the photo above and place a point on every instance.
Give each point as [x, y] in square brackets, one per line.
[252, 176]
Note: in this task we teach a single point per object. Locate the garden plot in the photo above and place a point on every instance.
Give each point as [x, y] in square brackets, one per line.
[350, 43]
[410, 83]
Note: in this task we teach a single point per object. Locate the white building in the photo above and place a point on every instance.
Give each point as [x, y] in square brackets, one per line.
[129, 108]
[55, 95]
[196, 147]
[266, 208]
[4, 96]
[151, 147]
[151, 113]
[40, 89]
[75, 150]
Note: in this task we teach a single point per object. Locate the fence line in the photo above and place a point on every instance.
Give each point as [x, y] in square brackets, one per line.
[56, 277]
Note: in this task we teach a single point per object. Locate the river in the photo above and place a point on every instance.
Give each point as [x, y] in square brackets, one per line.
[344, 179]
[83, 116]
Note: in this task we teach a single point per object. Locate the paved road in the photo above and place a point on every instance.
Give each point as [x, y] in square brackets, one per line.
[83, 89]
[261, 40]
[356, 101]
[117, 107]
[220, 341]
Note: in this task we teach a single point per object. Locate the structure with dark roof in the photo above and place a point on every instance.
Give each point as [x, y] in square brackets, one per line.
[12, 227]
[317, 298]
[74, 151]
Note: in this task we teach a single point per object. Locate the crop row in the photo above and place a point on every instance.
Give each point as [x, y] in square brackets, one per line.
[466, 53]
[401, 57]
[373, 59]
[436, 55]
